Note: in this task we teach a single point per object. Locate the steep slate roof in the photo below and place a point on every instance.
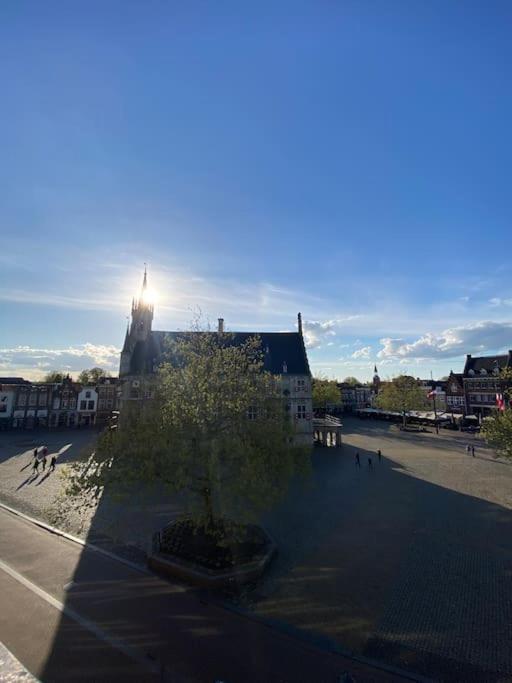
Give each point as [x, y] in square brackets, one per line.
[487, 363]
[13, 380]
[278, 348]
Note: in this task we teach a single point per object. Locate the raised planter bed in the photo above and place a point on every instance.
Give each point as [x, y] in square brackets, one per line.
[192, 556]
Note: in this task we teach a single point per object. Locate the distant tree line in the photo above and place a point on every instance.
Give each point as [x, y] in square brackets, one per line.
[91, 376]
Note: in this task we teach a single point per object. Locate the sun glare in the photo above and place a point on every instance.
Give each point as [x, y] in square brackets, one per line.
[149, 296]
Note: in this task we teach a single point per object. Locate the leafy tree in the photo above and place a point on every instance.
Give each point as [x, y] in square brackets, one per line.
[325, 392]
[402, 394]
[216, 430]
[352, 381]
[54, 377]
[497, 431]
[92, 376]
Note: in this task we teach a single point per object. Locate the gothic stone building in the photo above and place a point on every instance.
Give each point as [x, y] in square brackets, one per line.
[284, 353]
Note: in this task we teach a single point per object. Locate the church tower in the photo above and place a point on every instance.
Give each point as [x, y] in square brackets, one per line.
[376, 380]
[139, 329]
[142, 313]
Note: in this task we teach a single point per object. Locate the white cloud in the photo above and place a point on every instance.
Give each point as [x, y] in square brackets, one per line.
[33, 363]
[496, 302]
[364, 352]
[316, 333]
[479, 337]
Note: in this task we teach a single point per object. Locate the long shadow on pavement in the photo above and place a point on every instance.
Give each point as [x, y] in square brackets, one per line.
[378, 562]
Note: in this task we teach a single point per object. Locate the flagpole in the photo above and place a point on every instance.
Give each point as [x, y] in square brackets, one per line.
[434, 399]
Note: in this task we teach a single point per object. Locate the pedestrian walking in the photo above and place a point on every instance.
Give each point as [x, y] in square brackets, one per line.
[370, 464]
[468, 448]
[35, 453]
[473, 451]
[379, 453]
[45, 452]
[52, 463]
[35, 466]
[358, 461]
[43, 461]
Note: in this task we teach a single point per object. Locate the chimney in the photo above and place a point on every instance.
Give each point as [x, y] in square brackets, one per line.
[299, 321]
[468, 356]
[220, 328]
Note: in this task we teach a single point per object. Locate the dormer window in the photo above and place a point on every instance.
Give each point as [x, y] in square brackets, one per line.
[496, 371]
[483, 372]
[471, 373]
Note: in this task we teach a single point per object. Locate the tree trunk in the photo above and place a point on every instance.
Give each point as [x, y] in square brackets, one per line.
[208, 506]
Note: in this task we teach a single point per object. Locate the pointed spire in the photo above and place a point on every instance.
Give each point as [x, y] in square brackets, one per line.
[375, 369]
[299, 323]
[145, 280]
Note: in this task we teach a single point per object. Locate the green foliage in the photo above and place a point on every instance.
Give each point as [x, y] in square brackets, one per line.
[54, 377]
[497, 431]
[325, 392]
[92, 376]
[194, 437]
[352, 381]
[401, 395]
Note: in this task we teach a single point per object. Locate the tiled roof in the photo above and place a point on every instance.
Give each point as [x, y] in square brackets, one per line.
[278, 348]
[487, 363]
[13, 380]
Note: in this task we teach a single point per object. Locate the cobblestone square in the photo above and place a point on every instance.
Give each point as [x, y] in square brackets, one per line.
[409, 561]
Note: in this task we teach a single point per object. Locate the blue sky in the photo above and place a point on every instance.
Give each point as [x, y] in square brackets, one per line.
[349, 160]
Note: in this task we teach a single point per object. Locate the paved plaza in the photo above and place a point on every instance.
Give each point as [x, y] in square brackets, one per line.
[409, 561]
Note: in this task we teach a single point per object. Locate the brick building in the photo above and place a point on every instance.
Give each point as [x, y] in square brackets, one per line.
[483, 379]
[455, 398]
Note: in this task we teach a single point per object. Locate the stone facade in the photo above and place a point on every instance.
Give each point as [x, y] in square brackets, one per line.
[42, 405]
[284, 356]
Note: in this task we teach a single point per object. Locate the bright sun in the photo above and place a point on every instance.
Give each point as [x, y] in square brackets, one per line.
[149, 296]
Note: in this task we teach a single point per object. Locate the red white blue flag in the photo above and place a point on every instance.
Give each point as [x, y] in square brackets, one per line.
[500, 402]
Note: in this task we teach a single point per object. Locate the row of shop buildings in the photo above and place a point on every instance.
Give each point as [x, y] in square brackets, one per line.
[31, 405]
[477, 390]
[483, 385]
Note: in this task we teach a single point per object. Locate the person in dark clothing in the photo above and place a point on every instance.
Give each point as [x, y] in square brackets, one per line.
[52, 463]
[43, 461]
[379, 453]
[45, 452]
[370, 464]
[35, 466]
[473, 451]
[358, 461]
